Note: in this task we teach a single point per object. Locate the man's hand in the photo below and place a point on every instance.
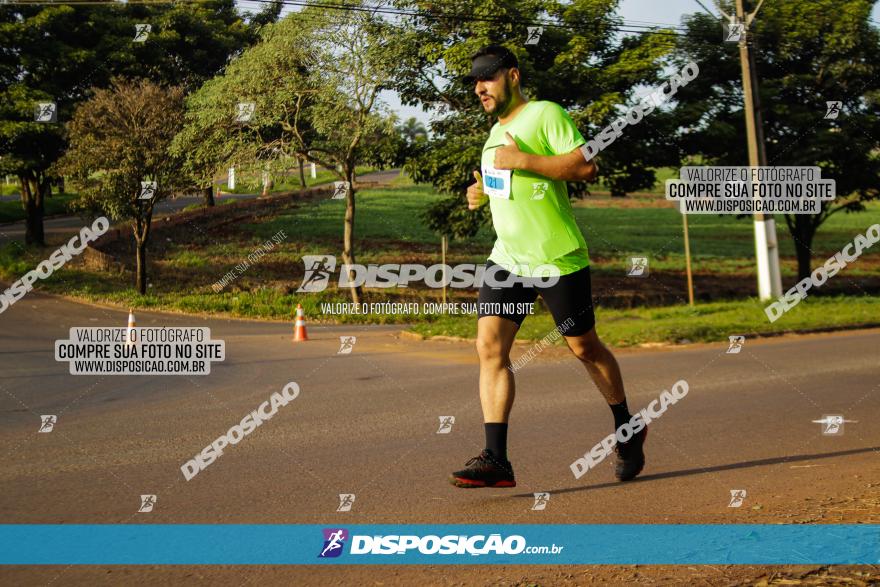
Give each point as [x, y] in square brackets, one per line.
[475, 195]
[509, 156]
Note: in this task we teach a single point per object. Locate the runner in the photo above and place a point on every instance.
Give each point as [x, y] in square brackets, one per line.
[532, 151]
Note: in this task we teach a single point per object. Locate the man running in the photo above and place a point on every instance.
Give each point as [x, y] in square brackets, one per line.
[532, 151]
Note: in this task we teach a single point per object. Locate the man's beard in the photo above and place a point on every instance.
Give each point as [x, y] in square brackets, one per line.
[502, 102]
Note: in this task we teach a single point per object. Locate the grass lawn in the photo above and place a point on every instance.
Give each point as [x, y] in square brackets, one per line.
[251, 183]
[184, 266]
[675, 324]
[719, 244]
[56, 204]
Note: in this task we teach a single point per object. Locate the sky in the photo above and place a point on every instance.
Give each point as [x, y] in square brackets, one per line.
[643, 11]
[636, 11]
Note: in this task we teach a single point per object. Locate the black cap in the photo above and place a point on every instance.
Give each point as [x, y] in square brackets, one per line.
[488, 60]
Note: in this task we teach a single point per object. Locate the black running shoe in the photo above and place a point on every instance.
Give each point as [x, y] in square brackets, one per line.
[485, 470]
[630, 456]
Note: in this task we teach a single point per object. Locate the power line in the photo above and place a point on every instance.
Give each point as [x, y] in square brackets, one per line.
[440, 15]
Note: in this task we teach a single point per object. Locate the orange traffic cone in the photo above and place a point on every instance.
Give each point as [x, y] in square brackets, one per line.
[131, 325]
[299, 328]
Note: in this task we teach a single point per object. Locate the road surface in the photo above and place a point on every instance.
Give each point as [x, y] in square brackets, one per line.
[366, 423]
[63, 225]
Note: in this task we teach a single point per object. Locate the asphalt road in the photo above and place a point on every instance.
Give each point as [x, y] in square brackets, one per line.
[366, 423]
[62, 225]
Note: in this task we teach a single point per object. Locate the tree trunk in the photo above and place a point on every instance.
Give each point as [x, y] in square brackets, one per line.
[302, 173]
[141, 266]
[142, 237]
[208, 193]
[348, 235]
[32, 201]
[803, 242]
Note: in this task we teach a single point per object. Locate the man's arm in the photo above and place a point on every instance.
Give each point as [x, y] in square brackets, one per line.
[568, 167]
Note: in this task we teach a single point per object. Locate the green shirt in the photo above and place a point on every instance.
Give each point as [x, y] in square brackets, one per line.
[531, 213]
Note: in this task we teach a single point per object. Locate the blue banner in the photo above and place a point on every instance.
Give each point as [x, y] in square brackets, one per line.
[232, 544]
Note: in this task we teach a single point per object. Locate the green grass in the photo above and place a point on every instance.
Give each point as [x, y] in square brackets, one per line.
[719, 244]
[676, 324]
[56, 204]
[388, 229]
[217, 202]
[13, 189]
[381, 215]
[251, 183]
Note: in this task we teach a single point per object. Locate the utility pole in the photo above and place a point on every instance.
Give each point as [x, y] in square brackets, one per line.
[766, 244]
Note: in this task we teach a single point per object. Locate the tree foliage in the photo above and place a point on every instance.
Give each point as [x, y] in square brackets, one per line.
[578, 62]
[120, 138]
[807, 52]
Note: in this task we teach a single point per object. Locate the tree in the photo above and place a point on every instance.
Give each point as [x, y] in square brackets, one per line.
[48, 51]
[120, 138]
[577, 62]
[807, 53]
[413, 131]
[58, 52]
[28, 150]
[313, 81]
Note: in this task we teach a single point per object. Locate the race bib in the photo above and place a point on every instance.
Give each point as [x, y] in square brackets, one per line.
[496, 182]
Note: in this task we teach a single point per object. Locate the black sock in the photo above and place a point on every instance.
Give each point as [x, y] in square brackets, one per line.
[621, 414]
[496, 439]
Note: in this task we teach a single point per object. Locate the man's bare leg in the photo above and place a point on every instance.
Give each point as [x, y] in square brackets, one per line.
[605, 372]
[600, 364]
[495, 338]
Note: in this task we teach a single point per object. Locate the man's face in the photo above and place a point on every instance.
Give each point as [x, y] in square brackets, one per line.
[495, 93]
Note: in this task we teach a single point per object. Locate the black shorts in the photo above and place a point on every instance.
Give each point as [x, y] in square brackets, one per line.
[570, 300]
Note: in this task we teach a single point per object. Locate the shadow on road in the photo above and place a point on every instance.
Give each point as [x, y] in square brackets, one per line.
[728, 467]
